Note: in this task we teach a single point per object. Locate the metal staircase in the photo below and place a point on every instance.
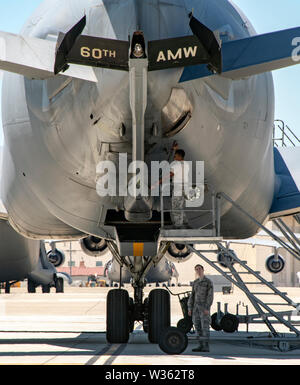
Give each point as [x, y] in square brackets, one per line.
[224, 260]
[234, 270]
[283, 136]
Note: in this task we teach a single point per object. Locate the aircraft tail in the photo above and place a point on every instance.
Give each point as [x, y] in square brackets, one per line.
[287, 188]
[253, 55]
[35, 58]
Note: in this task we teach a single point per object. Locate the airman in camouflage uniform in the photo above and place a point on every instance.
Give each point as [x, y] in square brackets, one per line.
[199, 305]
[179, 174]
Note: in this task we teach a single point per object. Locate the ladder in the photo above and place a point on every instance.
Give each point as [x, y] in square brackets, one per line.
[234, 269]
[283, 136]
[238, 272]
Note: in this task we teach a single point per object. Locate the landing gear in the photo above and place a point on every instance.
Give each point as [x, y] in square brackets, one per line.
[7, 287]
[31, 287]
[159, 313]
[117, 310]
[146, 316]
[59, 285]
[123, 311]
[46, 288]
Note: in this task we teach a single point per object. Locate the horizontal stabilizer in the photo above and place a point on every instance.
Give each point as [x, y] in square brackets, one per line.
[203, 47]
[253, 55]
[34, 58]
[287, 188]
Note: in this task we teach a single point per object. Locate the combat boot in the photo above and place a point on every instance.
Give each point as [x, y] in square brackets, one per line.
[205, 347]
[199, 348]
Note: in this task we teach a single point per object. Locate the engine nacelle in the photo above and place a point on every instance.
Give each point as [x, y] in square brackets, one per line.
[178, 252]
[275, 264]
[93, 246]
[56, 257]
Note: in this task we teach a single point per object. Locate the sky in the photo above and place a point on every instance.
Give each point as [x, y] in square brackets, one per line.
[265, 15]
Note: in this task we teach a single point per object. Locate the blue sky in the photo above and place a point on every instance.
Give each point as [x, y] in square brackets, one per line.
[265, 15]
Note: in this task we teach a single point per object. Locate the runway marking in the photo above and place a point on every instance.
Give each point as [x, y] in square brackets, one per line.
[116, 353]
[101, 356]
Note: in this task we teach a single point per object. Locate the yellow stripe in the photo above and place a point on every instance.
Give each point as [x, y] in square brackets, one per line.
[138, 249]
[102, 359]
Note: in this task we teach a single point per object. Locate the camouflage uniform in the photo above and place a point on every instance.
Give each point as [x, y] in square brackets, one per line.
[178, 216]
[180, 179]
[201, 299]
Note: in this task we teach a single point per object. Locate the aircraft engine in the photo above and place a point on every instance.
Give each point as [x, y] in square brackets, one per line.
[178, 252]
[55, 256]
[275, 264]
[93, 246]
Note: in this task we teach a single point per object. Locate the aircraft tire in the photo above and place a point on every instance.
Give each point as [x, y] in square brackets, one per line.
[46, 288]
[7, 287]
[131, 315]
[59, 285]
[117, 316]
[31, 286]
[159, 313]
[146, 315]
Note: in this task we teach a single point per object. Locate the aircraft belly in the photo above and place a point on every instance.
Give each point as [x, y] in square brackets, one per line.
[68, 126]
[27, 213]
[220, 144]
[18, 255]
[237, 152]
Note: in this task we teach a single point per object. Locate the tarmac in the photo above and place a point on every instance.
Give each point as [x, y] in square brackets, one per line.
[69, 329]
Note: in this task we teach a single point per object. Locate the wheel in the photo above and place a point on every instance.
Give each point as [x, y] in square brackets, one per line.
[229, 323]
[131, 315]
[185, 324]
[214, 323]
[31, 288]
[59, 285]
[146, 315]
[117, 316]
[173, 341]
[159, 313]
[7, 287]
[46, 288]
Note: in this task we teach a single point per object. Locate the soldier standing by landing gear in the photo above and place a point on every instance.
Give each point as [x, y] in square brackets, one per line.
[199, 305]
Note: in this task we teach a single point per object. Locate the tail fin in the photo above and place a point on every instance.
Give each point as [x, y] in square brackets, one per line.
[253, 55]
[287, 189]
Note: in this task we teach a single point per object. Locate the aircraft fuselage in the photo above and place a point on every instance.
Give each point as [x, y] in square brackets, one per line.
[58, 130]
